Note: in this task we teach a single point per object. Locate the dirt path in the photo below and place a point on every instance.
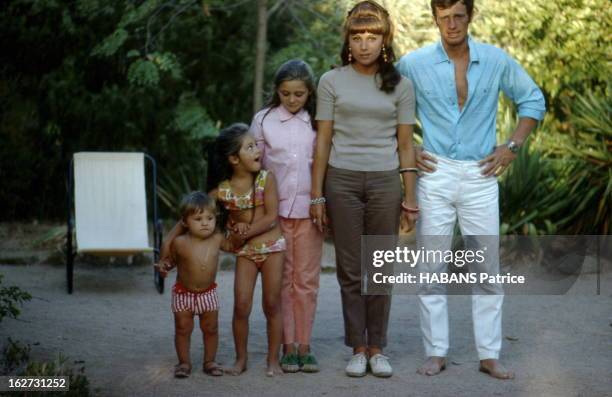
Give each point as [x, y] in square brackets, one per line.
[122, 329]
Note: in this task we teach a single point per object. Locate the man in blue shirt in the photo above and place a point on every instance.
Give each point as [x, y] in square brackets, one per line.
[457, 83]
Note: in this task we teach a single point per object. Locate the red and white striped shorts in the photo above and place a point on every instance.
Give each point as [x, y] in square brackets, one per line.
[184, 300]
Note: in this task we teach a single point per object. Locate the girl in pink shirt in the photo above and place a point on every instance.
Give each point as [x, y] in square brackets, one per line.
[285, 133]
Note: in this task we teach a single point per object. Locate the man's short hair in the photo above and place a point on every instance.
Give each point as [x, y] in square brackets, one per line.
[196, 202]
[469, 5]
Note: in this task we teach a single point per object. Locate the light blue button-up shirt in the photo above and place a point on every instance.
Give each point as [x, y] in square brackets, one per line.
[468, 134]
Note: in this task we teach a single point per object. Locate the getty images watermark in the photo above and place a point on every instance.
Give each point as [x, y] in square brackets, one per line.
[428, 258]
[527, 265]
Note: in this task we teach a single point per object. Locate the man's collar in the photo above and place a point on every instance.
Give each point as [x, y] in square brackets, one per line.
[442, 56]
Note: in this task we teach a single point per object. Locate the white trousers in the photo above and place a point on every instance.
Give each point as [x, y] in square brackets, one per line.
[457, 190]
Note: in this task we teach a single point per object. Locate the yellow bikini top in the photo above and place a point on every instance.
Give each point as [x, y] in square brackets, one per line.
[233, 202]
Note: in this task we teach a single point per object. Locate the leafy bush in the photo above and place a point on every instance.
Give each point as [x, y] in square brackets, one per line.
[163, 77]
[79, 384]
[10, 300]
[563, 44]
[174, 186]
[150, 76]
[14, 354]
[561, 182]
[585, 143]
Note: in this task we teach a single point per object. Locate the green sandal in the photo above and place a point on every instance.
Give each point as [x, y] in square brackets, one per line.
[290, 363]
[308, 363]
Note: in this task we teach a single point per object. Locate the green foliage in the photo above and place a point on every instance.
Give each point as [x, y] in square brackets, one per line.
[14, 355]
[173, 187]
[112, 43]
[530, 195]
[134, 14]
[79, 384]
[414, 26]
[585, 142]
[147, 72]
[317, 43]
[144, 73]
[160, 77]
[191, 118]
[563, 44]
[87, 7]
[10, 298]
[562, 183]
[124, 95]
[167, 62]
[163, 77]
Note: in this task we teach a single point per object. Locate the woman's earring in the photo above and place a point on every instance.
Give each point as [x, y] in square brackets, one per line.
[384, 53]
[350, 55]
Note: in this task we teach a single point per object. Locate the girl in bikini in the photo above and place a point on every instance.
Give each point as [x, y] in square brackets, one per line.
[249, 195]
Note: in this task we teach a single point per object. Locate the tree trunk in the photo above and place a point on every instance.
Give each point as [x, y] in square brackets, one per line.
[260, 56]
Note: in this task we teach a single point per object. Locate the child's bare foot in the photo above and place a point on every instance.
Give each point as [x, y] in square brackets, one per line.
[239, 367]
[433, 366]
[495, 369]
[274, 368]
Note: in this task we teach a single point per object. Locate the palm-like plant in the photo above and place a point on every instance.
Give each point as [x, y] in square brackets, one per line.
[563, 182]
[589, 143]
[173, 186]
[529, 192]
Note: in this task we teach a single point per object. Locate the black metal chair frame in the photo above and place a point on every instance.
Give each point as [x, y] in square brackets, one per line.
[70, 223]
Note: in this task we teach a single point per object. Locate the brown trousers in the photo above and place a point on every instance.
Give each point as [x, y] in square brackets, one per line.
[361, 203]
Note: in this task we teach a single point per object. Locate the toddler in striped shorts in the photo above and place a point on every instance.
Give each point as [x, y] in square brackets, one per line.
[196, 302]
[192, 246]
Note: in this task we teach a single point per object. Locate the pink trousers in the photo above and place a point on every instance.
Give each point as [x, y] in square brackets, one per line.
[301, 272]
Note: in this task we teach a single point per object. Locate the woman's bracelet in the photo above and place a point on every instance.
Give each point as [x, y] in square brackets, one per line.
[317, 200]
[409, 209]
[409, 169]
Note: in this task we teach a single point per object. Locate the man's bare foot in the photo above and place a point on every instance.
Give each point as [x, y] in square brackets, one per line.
[273, 369]
[433, 366]
[495, 369]
[239, 367]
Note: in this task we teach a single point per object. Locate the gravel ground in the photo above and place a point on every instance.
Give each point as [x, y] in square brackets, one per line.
[122, 329]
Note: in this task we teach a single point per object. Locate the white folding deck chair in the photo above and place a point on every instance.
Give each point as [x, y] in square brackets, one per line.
[110, 207]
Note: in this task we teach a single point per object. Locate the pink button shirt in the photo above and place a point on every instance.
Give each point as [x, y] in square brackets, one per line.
[287, 142]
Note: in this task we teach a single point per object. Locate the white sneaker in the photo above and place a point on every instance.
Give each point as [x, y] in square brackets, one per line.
[357, 365]
[380, 366]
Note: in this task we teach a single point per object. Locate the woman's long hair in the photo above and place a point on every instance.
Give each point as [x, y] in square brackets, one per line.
[295, 69]
[369, 16]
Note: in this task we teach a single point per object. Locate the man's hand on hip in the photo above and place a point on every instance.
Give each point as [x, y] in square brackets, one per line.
[424, 161]
[497, 163]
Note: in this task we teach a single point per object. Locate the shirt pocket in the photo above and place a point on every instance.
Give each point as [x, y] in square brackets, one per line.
[485, 99]
[435, 102]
